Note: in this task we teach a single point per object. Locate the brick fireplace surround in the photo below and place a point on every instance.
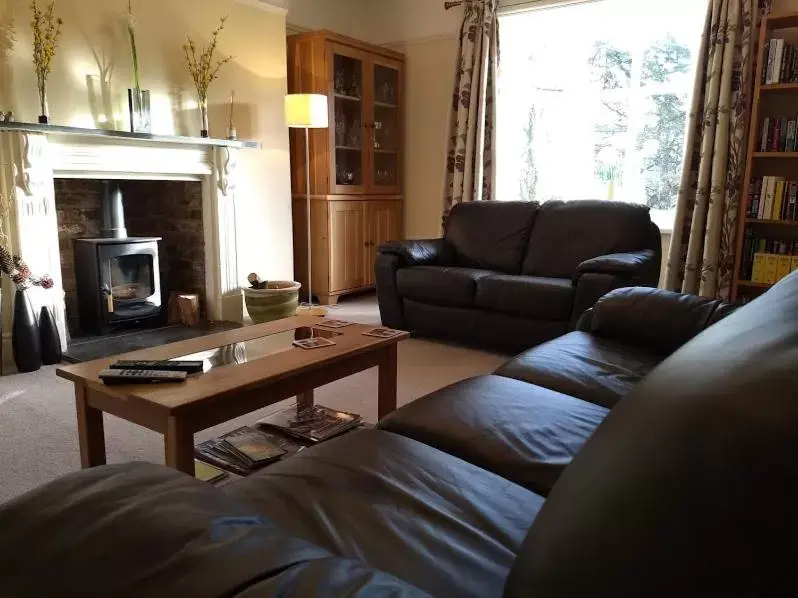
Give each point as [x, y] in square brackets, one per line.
[43, 173]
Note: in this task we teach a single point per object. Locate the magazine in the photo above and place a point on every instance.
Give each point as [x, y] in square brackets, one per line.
[253, 446]
[314, 424]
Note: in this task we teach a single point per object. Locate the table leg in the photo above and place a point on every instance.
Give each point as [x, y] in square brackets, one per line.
[91, 434]
[179, 446]
[304, 400]
[386, 399]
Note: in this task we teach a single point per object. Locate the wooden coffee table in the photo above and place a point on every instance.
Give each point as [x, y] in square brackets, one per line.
[253, 367]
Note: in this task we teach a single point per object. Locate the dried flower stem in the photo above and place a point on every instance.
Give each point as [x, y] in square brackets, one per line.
[200, 63]
[46, 31]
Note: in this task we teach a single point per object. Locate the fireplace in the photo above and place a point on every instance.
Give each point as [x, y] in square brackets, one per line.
[118, 277]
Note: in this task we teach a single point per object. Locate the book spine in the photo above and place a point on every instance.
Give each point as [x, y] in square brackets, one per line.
[771, 268]
[776, 137]
[763, 143]
[777, 61]
[769, 198]
[760, 215]
[790, 142]
[783, 64]
[778, 200]
[791, 201]
[771, 133]
[758, 271]
[771, 56]
[784, 267]
[755, 203]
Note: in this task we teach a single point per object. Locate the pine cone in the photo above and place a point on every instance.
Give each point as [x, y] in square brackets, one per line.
[6, 261]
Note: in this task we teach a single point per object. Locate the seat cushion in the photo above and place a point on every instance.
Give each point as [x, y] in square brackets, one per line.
[435, 521]
[585, 366]
[525, 433]
[529, 296]
[142, 530]
[491, 234]
[440, 284]
[568, 233]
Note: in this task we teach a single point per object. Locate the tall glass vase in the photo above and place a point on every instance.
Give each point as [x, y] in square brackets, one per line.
[43, 118]
[139, 105]
[204, 117]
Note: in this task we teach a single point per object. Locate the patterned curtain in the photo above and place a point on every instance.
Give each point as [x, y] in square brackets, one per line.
[701, 259]
[470, 174]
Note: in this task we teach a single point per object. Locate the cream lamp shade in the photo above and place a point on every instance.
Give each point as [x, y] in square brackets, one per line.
[306, 111]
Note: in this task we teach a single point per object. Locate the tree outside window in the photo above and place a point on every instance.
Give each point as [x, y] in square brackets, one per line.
[600, 113]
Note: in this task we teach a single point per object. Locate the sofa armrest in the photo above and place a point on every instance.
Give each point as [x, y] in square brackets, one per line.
[146, 530]
[422, 252]
[653, 318]
[633, 265]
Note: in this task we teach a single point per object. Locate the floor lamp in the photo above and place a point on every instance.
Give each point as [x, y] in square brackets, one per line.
[307, 111]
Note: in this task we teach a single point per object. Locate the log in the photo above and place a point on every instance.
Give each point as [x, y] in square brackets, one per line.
[189, 309]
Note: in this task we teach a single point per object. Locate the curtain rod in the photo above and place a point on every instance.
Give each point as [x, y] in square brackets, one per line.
[448, 5]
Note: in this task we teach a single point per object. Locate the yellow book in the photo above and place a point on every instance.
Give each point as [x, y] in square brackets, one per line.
[785, 266]
[794, 262]
[778, 201]
[771, 268]
[758, 273]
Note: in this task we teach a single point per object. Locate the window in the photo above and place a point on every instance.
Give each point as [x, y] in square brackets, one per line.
[593, 101]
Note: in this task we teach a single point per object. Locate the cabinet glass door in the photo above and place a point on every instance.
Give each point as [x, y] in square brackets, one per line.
[386, 133]
[347, 124]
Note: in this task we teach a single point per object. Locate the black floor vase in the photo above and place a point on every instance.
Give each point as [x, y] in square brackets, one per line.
[25, 335]
[49, 338]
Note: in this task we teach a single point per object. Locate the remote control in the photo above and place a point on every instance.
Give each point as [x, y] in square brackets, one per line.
[113, 377]
[189, 367]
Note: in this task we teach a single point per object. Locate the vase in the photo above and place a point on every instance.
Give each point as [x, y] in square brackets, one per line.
[43, 119]
[49, 339]
[204, 118]
[25, 343]
[138, 101]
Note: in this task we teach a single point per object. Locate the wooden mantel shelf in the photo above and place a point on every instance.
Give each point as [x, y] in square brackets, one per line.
[147, 137]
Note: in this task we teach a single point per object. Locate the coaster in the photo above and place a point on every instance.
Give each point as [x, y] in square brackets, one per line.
[314, 343]
[334, 324]
[382, 332]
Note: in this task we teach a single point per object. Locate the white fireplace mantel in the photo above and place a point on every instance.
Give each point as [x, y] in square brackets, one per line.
[33, 156]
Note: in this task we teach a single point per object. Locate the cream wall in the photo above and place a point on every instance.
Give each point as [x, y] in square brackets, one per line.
[347, 17]
[94, 42]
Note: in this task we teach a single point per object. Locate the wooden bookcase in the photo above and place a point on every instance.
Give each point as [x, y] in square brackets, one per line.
[355, 165]
[777, 100]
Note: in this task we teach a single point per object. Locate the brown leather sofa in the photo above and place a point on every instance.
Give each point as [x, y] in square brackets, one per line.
[511, 275]
[651, 452]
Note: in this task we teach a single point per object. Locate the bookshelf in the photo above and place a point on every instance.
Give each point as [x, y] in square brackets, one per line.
[774, 231]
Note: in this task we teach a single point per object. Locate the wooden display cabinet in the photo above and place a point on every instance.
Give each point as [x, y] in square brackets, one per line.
[355, 164]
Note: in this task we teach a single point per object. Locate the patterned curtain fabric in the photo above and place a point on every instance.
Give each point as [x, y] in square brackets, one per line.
[470, 173]
[701, 259]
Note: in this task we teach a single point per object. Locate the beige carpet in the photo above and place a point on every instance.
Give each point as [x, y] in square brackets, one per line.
[38, 437]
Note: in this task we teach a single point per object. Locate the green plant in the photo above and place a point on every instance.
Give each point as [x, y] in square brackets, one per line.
[200, 63]
[46, 31]
[131, 32]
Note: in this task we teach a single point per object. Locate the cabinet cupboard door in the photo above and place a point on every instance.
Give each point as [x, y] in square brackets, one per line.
[348, 114]
[384, 224]
[385, 125]
[347, 245]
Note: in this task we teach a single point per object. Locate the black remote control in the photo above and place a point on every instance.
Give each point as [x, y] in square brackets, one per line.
[112, 377]
[189, 367]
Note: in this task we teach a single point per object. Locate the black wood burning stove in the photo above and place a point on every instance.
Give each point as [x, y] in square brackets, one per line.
[118, 278]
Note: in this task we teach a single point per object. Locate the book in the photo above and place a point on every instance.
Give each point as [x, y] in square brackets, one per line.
[206, 472]
[771, 268]
[253, 446]
[211, 452]
[314, 424]
[758, 270]
[771, 58]
[778, 200]
[775, 137]
[770, 196]
[777, 56]
[789, 145]
[764, 141]
[794, 265]
[784, 266]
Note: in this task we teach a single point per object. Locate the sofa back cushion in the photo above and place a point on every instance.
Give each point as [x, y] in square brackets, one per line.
[688, 487]
[568, 233]
[491, 234]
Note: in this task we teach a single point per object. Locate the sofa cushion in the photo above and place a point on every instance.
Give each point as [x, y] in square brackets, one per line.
[568, 233]
[525, 433]
[491, 234]
[440, 284]
[435, 521]
[530, 296]
[142, 530]
[594, 369]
